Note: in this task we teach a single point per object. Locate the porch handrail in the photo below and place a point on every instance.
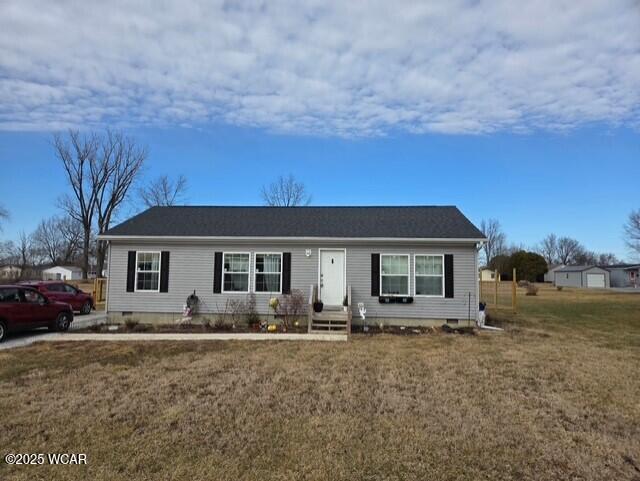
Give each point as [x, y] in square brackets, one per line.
[349, 314]
[313, 294]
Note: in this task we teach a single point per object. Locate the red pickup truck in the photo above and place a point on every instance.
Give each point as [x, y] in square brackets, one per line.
[62, 292]
[23, 307]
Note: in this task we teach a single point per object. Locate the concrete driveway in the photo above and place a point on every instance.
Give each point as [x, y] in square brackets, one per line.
[29, 337]
[630, 290]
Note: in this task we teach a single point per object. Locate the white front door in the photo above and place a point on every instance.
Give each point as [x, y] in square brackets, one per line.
[332, 277]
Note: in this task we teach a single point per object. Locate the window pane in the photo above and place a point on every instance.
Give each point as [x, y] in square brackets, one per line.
[236, 282]
[148, 281]
[268, 263]
[148, 261]
[429, 265]
[267, 282]
[236, 262]
[429, 286]
[395, 264]
[395, 285]
[9, 295]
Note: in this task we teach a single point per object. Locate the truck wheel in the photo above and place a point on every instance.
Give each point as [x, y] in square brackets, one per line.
[86, 308]
[63, 321]
[3, 331]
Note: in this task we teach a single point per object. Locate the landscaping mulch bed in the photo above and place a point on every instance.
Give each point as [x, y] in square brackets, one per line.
[183, 328]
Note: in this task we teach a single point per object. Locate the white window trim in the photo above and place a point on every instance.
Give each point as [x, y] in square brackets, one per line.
[248, 274]
[255, 272]
[137, 271]
[408, 256]
[427, 275]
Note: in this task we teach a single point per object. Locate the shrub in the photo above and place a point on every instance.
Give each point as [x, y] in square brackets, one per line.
[290, 307]
[252, 312]
[532, 290]
[130, 324]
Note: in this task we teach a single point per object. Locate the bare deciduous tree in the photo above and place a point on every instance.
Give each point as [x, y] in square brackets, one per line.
[632, 231]
[59, 239]
[25, 253]
[163, 191]
[496, 239]
[607, 259]
[568, 250]
[123, 159]
[100, 170]
[549, 248]
[285, 192]
[4, 216]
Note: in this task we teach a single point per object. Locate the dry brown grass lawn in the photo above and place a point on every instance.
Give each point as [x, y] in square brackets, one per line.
[557, 396]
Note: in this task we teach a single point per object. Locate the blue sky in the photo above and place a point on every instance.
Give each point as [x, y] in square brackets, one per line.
[528, 113]
[581, 184]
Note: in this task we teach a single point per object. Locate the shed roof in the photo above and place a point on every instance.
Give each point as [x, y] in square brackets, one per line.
[577, 268]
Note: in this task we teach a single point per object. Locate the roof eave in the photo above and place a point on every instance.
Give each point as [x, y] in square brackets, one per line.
[107, 237]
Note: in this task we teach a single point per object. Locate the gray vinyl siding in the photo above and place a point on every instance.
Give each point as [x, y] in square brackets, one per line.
[619, 277]
[579, 279]
[191, 268]
[568, 279]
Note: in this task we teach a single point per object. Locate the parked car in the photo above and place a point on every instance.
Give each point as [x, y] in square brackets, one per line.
[63, 292]
[23, 307]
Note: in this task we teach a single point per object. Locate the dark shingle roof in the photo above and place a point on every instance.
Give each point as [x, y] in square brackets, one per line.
[432, 222]
[576, 268]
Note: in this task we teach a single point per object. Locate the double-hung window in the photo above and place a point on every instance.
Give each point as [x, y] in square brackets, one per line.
[429, 275]
[148, 271]
[236, 271]
[394, 274]
[268, 273]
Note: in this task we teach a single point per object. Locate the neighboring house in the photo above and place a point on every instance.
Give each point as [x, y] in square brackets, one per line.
[62, 273]
[10, 271]
[582, 276]
[405, 264]
[624, 275]
[487, 275]
[550, 274]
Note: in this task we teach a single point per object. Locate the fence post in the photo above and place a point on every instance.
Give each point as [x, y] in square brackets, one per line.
[496, 281]
[514, 292]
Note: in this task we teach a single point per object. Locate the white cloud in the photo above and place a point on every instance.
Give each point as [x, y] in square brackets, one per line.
[326, 68]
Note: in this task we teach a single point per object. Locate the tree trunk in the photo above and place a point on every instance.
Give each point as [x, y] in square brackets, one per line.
[86, 243]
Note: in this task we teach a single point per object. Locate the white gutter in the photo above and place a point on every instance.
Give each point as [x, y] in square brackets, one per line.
[286, 239]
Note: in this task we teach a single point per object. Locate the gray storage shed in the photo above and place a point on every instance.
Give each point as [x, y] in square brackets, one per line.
[582, 276]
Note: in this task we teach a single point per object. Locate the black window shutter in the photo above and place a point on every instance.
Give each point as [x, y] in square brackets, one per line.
[164, 271]
[217, 273]
[286, 272]
[448, 275]
[375, 275]
[131, 271]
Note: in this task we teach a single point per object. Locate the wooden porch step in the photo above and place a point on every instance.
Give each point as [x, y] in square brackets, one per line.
[330, 316]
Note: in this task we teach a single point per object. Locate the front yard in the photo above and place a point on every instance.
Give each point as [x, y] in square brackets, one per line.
[556, 396]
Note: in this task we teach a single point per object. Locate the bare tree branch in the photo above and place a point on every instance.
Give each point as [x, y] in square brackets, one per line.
[549, 248]
[285, 192]
[496, 239]
[632, 231]
[163, 191]
[569, 250]
[100, 170]
[59, 239]
[4, 216]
